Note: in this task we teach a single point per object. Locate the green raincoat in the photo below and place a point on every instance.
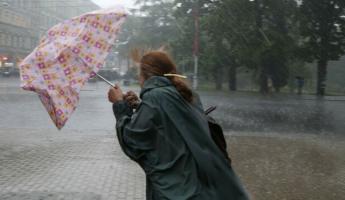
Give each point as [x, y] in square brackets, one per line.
[169, 138]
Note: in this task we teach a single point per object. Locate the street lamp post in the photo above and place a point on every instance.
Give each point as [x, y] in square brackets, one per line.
[196, 45]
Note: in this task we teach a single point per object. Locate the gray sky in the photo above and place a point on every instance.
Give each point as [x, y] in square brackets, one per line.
[109, 3]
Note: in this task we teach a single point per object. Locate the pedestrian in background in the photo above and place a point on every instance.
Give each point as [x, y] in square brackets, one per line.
[168, 136]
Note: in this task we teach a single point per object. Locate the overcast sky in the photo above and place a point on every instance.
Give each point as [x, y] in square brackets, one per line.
[109, 3]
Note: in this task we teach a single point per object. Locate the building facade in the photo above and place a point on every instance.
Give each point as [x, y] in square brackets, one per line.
[24, 22]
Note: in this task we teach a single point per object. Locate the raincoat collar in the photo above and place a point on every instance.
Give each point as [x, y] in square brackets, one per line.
[154, 82]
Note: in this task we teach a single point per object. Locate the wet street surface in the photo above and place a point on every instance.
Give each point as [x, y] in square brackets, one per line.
[81, 162]
[278, 113]
[236, 112]
[45, 165]
[23, 109]
[291, 167]
[276, 143]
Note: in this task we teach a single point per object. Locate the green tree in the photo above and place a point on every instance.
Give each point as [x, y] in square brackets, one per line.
[323, 30]
[186, 13]
[275, 20]
[152, 25]
[256, 35]
[223, 56]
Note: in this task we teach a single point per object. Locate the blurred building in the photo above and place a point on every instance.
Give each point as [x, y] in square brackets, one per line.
[24, 22]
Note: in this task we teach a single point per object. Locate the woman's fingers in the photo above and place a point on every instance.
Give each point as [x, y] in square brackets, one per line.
[131, 93]
[131, 98]
[115, 94]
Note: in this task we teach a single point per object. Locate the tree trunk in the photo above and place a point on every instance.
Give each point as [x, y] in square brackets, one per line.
[219, 78]
[233, 78]
[263, 79]
[263, 83]
[258, 17]
[321, 77]
[277, 89]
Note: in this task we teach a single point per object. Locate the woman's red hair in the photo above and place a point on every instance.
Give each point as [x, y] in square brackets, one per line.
[158, 63]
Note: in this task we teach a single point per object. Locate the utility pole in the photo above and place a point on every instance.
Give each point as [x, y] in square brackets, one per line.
[264, 89]
[196, 44]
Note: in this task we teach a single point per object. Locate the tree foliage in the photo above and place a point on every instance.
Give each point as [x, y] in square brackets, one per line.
[323, 31]
[273, 38]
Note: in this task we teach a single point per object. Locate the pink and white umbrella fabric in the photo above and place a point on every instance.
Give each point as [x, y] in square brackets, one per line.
[71, 53]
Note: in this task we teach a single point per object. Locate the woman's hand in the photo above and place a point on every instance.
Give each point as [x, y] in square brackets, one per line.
[132, 99]
[115, 94]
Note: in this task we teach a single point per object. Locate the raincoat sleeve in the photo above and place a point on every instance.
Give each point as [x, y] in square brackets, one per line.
[136, 132]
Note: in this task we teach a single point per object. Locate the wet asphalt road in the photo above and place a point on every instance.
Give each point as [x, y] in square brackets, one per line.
[84, 160]
[22, 109]
[236, 112]
[278, 113]
[81, 162]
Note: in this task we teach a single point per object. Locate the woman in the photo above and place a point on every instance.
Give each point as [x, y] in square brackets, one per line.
[168, 136]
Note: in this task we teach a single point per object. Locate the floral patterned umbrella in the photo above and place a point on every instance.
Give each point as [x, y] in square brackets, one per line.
[71, 53]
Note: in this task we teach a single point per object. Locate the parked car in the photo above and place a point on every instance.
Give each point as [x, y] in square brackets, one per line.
[126, 82]
[5, 71]
[109, 74]
[15, 72]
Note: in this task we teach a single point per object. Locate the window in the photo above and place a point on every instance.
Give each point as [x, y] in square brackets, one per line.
[15, 3]
[21, 3]
[14, 41]
[8, 40]
[1, 14]
[27, 43]
[33, 43]
[20, 42]
[6, 15]
[2, 39]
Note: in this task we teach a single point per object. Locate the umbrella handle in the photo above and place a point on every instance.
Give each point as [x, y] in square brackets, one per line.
[105, 80]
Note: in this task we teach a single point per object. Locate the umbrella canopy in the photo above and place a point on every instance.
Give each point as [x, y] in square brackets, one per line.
[70, 53]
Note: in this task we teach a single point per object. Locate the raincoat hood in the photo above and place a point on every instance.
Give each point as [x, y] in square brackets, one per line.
[154, 82]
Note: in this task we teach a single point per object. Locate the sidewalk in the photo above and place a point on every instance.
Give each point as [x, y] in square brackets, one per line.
[78, 165]
[48, 165]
